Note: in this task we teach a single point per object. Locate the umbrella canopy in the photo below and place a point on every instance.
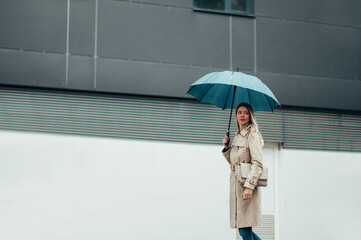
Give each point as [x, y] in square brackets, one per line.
[227, 89]
[219, 88]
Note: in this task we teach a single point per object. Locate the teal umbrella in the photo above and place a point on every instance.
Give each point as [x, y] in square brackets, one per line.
[227, 89]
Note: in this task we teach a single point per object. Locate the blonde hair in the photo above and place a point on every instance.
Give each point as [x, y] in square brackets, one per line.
[252, 125]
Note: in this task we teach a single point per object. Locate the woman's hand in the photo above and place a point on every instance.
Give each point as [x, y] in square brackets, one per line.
[247, 194]
[225, 139]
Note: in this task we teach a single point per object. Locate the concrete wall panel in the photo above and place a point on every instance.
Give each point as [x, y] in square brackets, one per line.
[293, 90]
[307, 49]
[33, 25]
[147, 78]
[329, 12]
[82, 27]
[243, 42]
[81, 73]
[162, 34]
[32, 69]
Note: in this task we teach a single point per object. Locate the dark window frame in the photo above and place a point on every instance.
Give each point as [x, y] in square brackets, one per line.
[250, 12]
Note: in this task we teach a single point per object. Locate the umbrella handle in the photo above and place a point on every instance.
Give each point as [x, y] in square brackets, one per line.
[227, 144]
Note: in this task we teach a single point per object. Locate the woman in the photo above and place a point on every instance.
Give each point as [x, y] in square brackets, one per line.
[245, 201]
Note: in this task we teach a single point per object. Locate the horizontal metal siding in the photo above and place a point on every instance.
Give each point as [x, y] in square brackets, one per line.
[167, 119]
[267, 230]
[102, 115]
[322, 130]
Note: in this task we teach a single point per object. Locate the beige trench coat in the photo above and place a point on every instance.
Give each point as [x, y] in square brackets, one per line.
[246, 147]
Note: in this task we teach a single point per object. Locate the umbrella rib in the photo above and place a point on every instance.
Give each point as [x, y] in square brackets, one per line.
[270, 104]
[249, 97]
[225, 102]
[206, 93]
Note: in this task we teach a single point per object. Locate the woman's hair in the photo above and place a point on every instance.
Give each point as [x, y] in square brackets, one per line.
[252, 124]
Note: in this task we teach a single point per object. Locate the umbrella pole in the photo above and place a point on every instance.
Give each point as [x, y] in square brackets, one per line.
[230, 115]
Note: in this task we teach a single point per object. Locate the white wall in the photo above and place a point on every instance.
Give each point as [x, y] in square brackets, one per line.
[71, 187]
[74, 187]
[320, 195]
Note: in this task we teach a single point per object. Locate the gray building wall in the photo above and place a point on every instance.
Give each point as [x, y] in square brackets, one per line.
[307, 52]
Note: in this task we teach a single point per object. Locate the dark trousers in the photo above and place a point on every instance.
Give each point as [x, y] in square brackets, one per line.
[247, 234]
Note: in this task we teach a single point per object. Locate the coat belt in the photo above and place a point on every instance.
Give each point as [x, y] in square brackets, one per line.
[233, 167]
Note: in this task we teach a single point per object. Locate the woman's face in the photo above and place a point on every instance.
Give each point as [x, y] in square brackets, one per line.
[242, 116]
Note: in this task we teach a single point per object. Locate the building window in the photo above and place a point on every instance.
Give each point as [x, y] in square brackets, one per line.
[234, 7]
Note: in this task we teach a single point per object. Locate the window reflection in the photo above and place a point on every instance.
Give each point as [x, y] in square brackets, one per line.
[210, 4]
[239, 5]
[236, 7]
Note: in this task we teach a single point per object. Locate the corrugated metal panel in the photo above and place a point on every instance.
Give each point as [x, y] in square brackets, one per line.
[167, 119]
[266, 231]
[113, 116]
[322, 130]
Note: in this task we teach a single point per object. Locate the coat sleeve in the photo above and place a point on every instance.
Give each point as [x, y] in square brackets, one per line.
[226, 154]
[255, 148]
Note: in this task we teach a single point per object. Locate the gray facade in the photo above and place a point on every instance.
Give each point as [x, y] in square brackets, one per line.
[81, 72]
[307, 52]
